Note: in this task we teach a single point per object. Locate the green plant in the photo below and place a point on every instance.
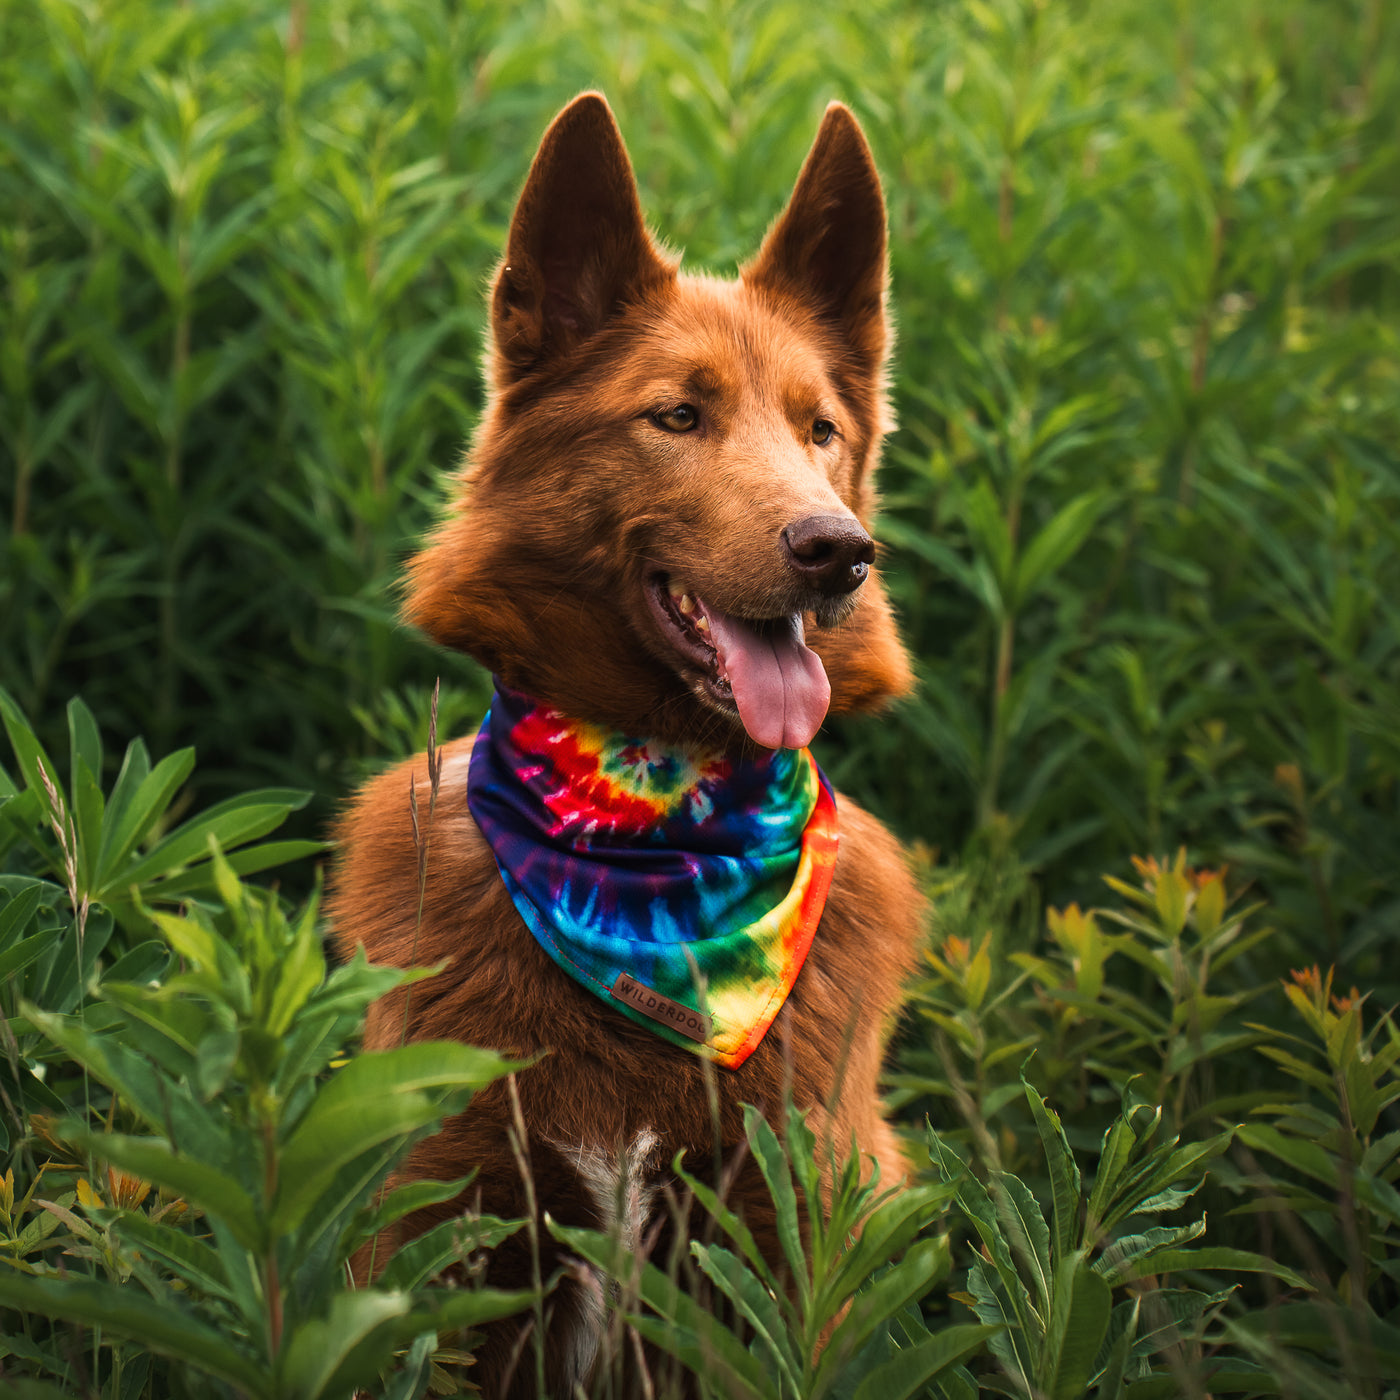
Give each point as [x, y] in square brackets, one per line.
[1337, 1191]
[220, 1064]
[245, 1158]
[837, 1319]
[1050, 1285]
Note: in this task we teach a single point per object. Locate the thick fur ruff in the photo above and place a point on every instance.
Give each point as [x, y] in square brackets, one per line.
[585, 492]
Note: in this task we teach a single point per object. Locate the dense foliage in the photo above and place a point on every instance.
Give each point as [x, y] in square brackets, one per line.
[1142, 520]
[1140, 517]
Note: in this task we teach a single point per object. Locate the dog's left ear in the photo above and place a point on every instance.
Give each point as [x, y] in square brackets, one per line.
[828, 246]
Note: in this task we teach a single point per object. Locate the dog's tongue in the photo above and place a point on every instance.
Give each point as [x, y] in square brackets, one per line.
[779, 683]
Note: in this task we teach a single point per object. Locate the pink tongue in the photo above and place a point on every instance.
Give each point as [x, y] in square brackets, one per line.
[779, 683]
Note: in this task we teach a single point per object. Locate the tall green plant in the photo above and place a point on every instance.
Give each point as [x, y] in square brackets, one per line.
[221, 1065]
[1050, 1283]
[836, 1319]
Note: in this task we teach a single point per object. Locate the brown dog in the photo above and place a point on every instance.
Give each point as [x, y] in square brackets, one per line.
[651, 440]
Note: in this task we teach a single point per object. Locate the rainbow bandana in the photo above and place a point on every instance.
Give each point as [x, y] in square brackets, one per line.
[683, 891]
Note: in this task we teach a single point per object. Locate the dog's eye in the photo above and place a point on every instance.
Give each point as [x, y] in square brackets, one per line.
[680, 419]
[823, 430]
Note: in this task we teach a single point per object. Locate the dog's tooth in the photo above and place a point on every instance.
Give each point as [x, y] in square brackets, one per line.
[686, 604]
[702, 623]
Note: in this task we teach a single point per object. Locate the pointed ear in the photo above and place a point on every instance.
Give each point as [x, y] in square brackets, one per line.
[578, 247]
[828, 246]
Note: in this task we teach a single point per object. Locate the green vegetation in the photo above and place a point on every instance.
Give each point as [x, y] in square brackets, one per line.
[1142, 520]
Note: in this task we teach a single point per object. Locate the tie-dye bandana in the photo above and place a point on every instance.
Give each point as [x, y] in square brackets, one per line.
[683, 891]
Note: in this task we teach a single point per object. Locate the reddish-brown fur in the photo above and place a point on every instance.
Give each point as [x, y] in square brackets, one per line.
[571, 496]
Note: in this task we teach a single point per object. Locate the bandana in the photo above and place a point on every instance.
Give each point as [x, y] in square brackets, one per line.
[682, 890]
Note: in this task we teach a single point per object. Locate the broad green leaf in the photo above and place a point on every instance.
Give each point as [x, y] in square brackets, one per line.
[20, 955]
[18, 910]
[732, 1225]
[301, 969]
[248, 860]
[754, 1302]
[122, 1069]
[1120, 1348]
[165, 1327]
[1026, 1232]
[883, 1235]
[133, 810]
[1117, 1150]
[29, 752]
[189, 1258]
[911, 1369]
[1078, 1320]
[312, 1356]
[232, 827]
[1064, 1173]
[450, 1241]
[207, 1187]
[772, 1162]
[1058, 540]
[403, 1200]
[925, 1262]
[376, 1098]
[1210, 1257]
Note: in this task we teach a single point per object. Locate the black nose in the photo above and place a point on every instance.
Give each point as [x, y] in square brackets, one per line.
[831, 552]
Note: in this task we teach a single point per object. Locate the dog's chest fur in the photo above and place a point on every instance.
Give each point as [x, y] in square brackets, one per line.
[608, 1107]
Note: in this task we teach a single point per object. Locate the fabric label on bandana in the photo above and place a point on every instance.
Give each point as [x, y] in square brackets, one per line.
[682, 890]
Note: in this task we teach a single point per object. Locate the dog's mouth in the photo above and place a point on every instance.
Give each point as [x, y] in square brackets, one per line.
[760, 668]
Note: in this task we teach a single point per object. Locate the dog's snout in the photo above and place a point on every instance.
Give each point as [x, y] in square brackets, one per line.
[831, 552]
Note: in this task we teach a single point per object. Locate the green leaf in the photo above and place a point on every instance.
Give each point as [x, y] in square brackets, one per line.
[19, 909]
[1064, 1173]
[29, 950]
[925, 1262]
[377, 1098]
[754, 1303]
[235, 825]
[139, 800]
[28, 750]
[404, 1200]
[1117, 1150]
[911, 1369]
[1121, 1260]
[729, 1222]
[1078, 1320]
[1056, 544]
[312, 1357]
[449, 1242]
[1214, 1257]
[211, 1190]
[772, 1162]
[166, 1327]
[1026, 1232]
[188, 1258]
[249, 860]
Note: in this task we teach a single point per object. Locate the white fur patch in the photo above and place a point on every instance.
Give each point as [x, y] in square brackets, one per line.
[623, 1188]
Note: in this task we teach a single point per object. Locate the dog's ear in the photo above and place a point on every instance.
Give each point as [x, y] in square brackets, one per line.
[828, 246]
[578, 247]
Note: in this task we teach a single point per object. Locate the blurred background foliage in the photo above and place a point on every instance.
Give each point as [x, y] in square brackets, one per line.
[1141, 515]
[1141, 518]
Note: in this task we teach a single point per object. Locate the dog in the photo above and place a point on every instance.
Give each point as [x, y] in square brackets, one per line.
[661, 534]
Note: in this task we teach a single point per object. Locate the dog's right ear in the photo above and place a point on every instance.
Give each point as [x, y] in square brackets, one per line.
[578, 248]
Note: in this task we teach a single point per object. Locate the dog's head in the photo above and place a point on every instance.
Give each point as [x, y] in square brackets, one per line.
[663, 520]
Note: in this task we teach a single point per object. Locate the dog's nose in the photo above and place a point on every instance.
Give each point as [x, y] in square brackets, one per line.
[831, 552]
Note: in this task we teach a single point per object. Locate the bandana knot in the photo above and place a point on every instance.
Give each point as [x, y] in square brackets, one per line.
[682, 889]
